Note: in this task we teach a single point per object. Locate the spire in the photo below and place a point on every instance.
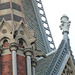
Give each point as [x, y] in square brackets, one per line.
[65, 24]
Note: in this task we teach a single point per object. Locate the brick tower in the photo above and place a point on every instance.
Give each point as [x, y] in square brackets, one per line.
[23, 39]
[19, 46]
[17, 42]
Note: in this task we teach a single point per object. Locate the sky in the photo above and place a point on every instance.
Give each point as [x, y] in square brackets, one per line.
[54, 9]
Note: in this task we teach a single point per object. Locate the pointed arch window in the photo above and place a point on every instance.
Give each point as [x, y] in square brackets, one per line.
[20, 43]
[5, 43]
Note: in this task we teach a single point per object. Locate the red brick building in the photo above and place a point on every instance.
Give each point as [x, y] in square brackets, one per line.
[25, 36]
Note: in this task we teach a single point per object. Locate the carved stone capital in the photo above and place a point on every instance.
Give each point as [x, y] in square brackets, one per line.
[13, 46]
[28, 52]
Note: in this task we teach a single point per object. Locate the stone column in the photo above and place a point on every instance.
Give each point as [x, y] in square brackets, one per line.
[34, 63]
[28, 53]
[13, 49]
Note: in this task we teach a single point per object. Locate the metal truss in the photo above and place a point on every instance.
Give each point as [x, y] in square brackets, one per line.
[43, 24]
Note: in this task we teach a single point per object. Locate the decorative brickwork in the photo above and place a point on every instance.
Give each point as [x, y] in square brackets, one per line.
[4, 6]
[6, 17]
[6, 65]
[16, 41]
[16, 7]
[21, 64]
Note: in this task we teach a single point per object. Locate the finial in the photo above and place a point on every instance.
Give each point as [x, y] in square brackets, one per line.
[65, 23]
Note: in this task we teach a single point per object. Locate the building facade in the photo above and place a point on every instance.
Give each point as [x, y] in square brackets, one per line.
[26, 43]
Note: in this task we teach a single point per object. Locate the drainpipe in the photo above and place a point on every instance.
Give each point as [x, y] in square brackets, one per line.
[28, 65]
[28, 53]
[13, 49]
[34, 63]
[33, 70]
[14, 62]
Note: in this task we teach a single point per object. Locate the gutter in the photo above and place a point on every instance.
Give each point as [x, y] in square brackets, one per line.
[48, 54]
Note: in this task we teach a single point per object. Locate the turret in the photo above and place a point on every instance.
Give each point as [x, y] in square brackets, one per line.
[18, 49]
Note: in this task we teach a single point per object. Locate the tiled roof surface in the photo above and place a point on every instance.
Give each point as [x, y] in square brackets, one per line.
[43, 64]
[33, 24]
[59, 57]
[37, 25]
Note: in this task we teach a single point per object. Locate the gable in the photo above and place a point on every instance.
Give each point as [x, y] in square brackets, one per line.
[69, 67]
[5, 28]
[60, 59]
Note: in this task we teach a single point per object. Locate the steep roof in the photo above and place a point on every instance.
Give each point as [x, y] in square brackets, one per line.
[33, 17]
[61, 56]
[43, 64]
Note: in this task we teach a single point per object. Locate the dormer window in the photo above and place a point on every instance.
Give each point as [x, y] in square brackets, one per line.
[5, 43]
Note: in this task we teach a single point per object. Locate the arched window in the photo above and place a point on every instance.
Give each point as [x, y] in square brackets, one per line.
[5, 43]
[20, 43]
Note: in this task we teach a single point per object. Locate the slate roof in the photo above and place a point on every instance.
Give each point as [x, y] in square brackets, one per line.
[43, 64]
[58, 59]
[39, 29]
[50, 64]
[33, 24]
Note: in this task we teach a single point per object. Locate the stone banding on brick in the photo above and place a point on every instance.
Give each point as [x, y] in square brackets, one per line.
[7, 6]
[8, 17]
[17, 18]
[4, 6]
[16, 7]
